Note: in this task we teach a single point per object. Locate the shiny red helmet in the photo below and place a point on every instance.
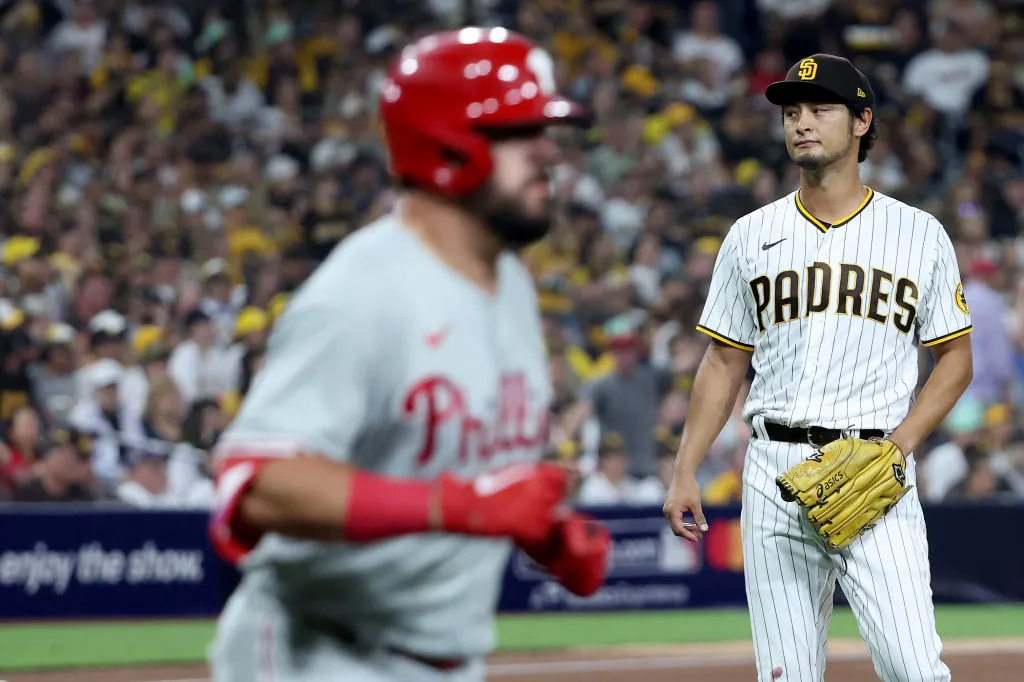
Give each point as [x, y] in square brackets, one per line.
[444, 92]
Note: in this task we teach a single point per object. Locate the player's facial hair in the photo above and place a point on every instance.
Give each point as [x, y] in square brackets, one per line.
[504, 216]
[819, 162]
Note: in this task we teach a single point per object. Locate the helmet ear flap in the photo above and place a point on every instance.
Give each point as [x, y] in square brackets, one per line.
[452, 162]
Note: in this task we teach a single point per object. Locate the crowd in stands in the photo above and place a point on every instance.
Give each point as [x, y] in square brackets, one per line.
[170, 172]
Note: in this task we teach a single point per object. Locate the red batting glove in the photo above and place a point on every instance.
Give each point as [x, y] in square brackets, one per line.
[576, 554]
[518, 501]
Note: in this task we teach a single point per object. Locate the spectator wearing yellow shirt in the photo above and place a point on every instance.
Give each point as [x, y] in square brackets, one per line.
[160, 90]
[727, 487]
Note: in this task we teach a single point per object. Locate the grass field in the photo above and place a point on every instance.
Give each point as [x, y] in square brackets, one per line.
[64, 645]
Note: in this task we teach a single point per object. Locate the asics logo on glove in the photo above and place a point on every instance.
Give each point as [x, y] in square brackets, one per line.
[831, 483]
[847, 487]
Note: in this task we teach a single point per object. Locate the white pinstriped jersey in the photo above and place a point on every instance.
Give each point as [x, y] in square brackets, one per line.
[834, 313]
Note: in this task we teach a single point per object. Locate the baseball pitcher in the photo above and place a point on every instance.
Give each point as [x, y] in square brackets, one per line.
[829, 291]
[386, 458]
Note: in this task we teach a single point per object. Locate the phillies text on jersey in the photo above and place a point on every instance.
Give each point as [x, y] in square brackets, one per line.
[390, 360]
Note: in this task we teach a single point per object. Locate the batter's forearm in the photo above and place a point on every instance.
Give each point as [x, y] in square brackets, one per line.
[952, 374]
[715, 388]
[313, 498]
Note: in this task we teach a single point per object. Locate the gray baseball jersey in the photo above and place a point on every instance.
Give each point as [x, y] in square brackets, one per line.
[389, 359]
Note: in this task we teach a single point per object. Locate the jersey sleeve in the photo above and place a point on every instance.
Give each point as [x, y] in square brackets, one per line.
[943, 314]
[727, 316]
[310, 398]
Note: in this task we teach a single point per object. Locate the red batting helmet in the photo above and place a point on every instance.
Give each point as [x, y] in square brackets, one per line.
[443, 92]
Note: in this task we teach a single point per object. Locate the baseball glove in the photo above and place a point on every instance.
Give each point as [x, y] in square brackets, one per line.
[847, 486]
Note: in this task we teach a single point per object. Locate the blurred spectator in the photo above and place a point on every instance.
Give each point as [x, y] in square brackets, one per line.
[165, 412]
[704, 45]
[726, 454]
[108, 336]
[612, 484]
[63, 473]
[251, 330]
[1006, 457]
[83, 35]
[981, 479]
[991, 348]
[172, 172]
[726, 487]
[627, 401]
[53, 375]
[219, 300]
[947, 75]
[115, 428]
[201, 368]
[976, 18]
[151, 354]
[16, 352]
[946, 466]
[145, 483]
[20, 447]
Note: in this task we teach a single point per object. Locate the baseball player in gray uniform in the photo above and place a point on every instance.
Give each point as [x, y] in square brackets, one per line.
[386, 459]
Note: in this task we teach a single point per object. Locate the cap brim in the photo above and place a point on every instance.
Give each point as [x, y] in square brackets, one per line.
[791, 92]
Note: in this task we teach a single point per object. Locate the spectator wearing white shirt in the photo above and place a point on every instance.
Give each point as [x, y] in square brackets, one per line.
[201, 368]
[946, 466]
[646, 272]
[651, 490]
[83, 33]
[947, 75]
[623, 214]
[145, 483]
[165, 469]
[115, 429]
[793, 10]
[705, 41]
[233, 99]
[220, 299]
[705, 90]
[611, 484]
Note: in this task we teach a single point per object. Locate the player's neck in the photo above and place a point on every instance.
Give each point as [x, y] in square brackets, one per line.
[457, 238]
[832, 193]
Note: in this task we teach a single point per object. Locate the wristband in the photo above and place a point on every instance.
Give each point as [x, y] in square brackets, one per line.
[380, 507]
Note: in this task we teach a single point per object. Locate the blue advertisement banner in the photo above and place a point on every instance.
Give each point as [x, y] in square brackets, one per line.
[72, 562]
[69, 561]
[650, 568]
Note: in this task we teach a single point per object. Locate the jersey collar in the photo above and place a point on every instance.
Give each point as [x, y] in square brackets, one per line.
[825, 226]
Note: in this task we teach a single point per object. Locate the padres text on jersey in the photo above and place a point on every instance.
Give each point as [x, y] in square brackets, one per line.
[834, 313]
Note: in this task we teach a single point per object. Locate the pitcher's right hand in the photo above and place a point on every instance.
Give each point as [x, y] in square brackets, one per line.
[683, 497]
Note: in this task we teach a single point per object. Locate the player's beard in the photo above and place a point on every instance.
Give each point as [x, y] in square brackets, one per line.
[821, 161]
[504, 215]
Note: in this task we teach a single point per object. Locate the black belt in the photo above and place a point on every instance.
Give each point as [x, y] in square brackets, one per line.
[817, 436]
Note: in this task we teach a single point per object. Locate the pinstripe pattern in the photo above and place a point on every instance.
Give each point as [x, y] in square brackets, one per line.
[892, 279]
[830, 369]
[790, 581]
